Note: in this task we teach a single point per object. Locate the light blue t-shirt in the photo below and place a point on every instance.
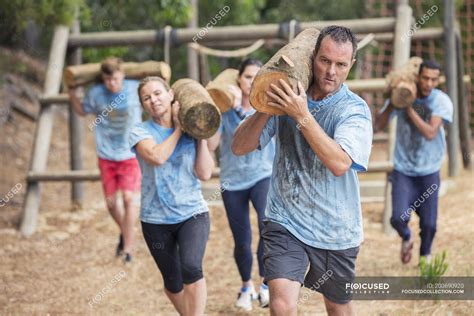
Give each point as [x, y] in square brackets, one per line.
[242, 172]
[415, 155]
[320, 209]
[170, 193]
[116, 114]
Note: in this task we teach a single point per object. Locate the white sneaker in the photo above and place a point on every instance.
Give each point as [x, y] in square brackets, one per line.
[427, 259]
[264, 296]
[245, 297]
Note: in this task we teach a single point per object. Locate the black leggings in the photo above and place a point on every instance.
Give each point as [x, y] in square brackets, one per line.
[178, 249]
[237, 208]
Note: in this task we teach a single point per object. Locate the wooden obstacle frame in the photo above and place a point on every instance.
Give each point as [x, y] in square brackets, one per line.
[66, 43]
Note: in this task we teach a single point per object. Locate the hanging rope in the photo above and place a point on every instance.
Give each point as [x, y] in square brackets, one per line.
[228, 53]
[167, 45]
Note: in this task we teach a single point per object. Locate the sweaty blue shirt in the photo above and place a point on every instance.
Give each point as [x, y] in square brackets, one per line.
[414, 154]
[170, 193]
[318, 208]
[242, 172]
[116, 114]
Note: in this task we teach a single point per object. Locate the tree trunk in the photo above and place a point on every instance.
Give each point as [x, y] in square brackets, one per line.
[198, 115]
[219, 89]
[86, 73]
[292, 63]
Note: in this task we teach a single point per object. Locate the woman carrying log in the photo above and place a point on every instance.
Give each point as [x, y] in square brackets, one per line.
[244, 179]
[174, 215]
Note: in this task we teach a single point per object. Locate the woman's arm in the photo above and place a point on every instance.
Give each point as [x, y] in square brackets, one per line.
[204, 163]
[157, 154]
[214, 141]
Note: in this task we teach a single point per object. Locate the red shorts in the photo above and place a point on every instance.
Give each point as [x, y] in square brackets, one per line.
[119, 175]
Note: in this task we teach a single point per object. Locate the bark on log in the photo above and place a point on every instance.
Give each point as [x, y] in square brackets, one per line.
[219, 89]
[198, 115]
[292, 63]
[401, 83]
[86, 73]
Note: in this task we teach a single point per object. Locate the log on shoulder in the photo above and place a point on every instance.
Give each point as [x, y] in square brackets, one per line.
[219, 89]
[292, 63]
[198, 115]
[79, 75]
[401, 83]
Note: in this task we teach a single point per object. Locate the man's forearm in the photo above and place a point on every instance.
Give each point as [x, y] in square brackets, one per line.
[428, 130]
[247, 136]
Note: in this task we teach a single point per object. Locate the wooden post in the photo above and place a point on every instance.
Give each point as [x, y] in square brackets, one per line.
[205, 74]
[76, 130]
[44, 128]
[464, 130]
[193, 62]
[401, 55]
[451, 80]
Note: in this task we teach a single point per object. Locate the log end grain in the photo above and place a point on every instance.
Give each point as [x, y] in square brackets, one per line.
[258, 96]
[201, 121]
[403, 95]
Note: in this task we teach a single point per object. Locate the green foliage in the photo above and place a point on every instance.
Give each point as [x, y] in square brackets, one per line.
[118, 15]
[18, 12]
[435, 269]
[285, 10]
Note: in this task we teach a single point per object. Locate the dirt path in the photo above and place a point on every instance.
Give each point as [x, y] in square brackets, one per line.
[67, 263]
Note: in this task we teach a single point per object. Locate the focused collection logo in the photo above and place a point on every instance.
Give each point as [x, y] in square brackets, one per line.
[367, 288]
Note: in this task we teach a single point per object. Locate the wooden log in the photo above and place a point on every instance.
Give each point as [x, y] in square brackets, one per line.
[292, 63]
[198, 115]
[56, 99]
[224, 33]
[204, 72]
[193, 58]
[44, 128]
[464, 130]
[69, 175]
[451, 85]
[401, 83]
[401, 55]
[380, 166]
[380, 84]
[84, 74]
[219, 89]
[76, 130]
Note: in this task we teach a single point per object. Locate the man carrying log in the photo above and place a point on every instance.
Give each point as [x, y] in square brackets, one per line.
[117, 109]
[313, 208]
[419, 151]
